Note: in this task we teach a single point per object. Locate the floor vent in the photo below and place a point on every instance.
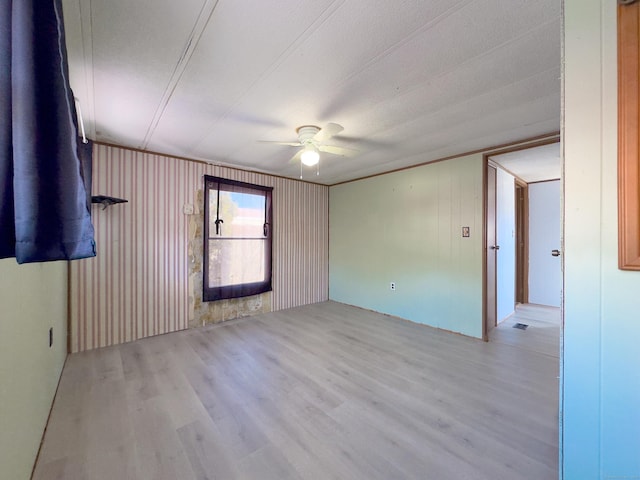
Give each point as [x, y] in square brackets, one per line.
[521, 326]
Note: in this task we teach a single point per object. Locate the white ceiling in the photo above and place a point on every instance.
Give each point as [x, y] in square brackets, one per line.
[410, 80]
[537, 164]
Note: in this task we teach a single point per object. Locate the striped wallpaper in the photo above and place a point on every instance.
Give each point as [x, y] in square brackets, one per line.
[137, 286]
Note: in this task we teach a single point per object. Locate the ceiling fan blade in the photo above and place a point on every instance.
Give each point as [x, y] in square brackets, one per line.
[335, 150]
[367, 143]
[296, 157]
[290, 144]
[328, 131]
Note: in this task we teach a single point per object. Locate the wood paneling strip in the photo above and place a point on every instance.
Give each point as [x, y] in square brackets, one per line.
[137, 286]
[628, 136]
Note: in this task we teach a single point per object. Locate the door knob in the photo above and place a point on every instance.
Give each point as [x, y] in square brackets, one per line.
[495, 247]
[555, 253]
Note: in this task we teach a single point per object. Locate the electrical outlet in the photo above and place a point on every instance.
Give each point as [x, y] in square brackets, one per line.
[187, 209]
[50, 337]
[465, 232]
[392, 285]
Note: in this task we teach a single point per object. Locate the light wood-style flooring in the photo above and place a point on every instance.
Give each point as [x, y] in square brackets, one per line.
[324, 391]
[542, 334]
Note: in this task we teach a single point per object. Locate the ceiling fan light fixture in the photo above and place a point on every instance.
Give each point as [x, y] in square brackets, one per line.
[310, 156]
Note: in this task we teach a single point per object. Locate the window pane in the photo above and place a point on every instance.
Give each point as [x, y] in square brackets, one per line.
[238, 255]
[242, 214]
[235, 262]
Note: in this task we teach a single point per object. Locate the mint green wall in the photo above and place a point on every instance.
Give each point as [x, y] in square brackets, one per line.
[601, 358]
[405, 227]
[33, 298]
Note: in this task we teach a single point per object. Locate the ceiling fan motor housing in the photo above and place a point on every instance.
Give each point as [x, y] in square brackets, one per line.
[306, 133]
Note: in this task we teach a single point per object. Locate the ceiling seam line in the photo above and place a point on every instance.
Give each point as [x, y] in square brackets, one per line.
[328, 13]
[181, 65]
[423, 28]
[470, 121]
[457, 66]
[450, 106]
[421, 154]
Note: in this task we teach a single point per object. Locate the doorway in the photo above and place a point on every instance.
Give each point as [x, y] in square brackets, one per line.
[512, 275]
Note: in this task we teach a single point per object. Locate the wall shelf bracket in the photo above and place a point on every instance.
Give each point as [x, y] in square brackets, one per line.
[107, 201]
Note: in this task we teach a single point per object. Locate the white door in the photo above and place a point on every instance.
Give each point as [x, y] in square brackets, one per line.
[492, 250]
[545, 269]
[506, 256]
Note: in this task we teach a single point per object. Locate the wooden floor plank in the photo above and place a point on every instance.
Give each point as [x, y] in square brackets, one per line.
[323, 391]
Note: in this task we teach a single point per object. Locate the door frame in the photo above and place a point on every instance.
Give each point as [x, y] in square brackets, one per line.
[522, 241]
[485, 189]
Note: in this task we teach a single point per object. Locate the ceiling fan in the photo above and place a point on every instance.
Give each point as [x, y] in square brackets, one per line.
[312, 140]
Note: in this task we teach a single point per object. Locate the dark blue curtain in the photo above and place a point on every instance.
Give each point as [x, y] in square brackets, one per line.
[45, 209]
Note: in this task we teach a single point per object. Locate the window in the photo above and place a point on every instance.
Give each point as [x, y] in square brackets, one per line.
[237, 239]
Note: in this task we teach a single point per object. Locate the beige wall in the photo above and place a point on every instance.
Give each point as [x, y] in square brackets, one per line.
[33, 298]
[405, 227]
[138, 285]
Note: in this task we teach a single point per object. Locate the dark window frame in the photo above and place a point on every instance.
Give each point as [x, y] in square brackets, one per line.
[210, 294]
